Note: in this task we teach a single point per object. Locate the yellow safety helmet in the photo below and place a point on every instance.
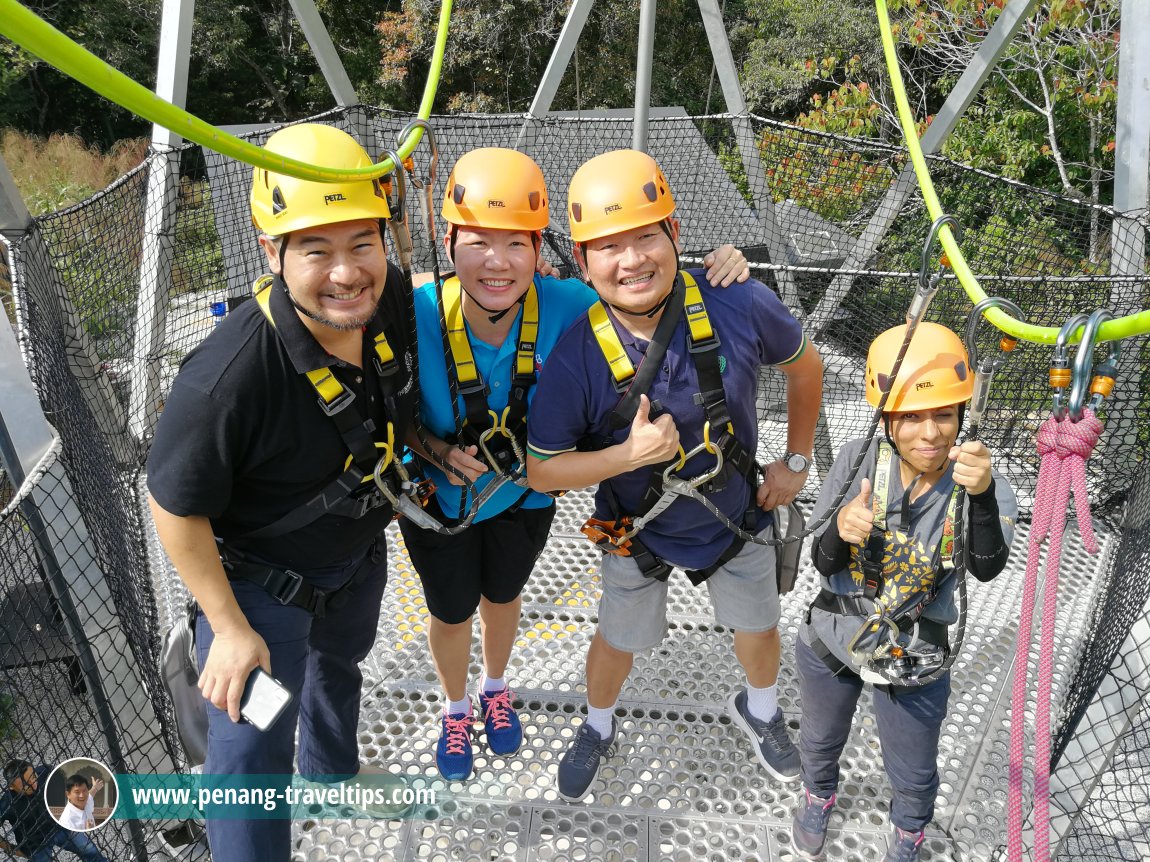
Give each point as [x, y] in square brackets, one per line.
[617, 191]
[282, 204]
[496, 188]
[935, 371]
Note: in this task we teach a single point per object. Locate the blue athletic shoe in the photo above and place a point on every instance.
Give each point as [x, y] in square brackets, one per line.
[500, 723]
[453, 754]
[769, 739]
[580, 765]
[809, 825]
[904, 846]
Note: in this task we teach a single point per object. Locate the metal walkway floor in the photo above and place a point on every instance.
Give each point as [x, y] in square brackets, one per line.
[682, 784]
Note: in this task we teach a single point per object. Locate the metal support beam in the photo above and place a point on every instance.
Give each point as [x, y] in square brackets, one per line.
[319, 40]
[158, 247]
[643, 62]
[964, 92]
[728, 75]
[1132, 143]
[557, 66]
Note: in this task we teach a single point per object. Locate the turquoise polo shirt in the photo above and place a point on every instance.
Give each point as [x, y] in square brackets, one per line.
[561, 303]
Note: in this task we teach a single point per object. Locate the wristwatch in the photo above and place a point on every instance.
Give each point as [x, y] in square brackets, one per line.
[796, 462]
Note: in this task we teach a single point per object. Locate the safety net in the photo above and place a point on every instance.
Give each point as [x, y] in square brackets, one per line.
[834, 224]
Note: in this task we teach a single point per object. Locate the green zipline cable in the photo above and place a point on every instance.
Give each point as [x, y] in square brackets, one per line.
[1112, 330]
[49, 44]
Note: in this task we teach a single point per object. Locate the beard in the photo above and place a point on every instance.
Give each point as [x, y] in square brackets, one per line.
[340, 325]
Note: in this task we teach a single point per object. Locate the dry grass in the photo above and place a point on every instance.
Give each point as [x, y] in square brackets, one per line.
[55, 173]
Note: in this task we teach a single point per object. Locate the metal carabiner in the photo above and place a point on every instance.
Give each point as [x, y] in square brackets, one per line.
[984, 370]
[878, 618]
[1084, 363]
[399, 206]
[703, 478]
[1060, 375]
[927, 283]
[429, 134]
[499, 426]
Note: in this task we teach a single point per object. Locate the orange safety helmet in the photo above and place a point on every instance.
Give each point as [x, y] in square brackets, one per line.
[617, 191]
[935, 371]
[282, 204]
[496, 188]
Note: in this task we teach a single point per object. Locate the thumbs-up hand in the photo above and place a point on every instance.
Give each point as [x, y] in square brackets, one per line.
[856, 518]
[651, 442]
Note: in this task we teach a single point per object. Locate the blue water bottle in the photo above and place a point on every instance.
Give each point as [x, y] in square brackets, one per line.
[219, 311]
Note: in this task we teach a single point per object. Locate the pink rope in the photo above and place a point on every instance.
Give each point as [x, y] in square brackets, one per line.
[1064, 448]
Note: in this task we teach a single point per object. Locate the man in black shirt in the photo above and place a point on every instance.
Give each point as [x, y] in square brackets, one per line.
[34, 831]
[261, 476]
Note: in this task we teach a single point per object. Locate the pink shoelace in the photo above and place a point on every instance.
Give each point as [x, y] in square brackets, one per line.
[458, 733]
[1064, 447]
[499, 709]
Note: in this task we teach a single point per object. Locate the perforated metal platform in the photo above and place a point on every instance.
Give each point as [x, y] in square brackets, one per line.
[683, 784]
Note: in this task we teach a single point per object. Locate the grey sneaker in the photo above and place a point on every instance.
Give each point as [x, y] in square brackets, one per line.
[809, 825]
[580, 765]
[904, 846]
[769, 739]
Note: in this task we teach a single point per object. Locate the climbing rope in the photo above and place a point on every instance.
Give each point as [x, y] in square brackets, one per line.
[1065, 443]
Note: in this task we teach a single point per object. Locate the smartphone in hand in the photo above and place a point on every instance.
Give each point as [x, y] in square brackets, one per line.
[264, 699]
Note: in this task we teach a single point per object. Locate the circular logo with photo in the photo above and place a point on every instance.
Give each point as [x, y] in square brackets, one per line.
[81, 794]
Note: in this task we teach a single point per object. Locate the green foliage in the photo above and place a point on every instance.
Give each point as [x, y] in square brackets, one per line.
[61, 171]
[832, 181]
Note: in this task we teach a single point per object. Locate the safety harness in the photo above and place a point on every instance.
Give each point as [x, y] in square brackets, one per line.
[620, 534]
[895, 583]
[500, 438]
[369, 461]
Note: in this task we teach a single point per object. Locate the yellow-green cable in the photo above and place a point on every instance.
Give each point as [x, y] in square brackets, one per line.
[49, 44]
[1122, 327]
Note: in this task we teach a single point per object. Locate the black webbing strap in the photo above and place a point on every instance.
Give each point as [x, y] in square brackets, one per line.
[290, 588]
[624, 413]
[335, 499]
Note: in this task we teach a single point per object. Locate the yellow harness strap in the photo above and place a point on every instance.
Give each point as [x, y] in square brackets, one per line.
[621, 367]
[466, 372]
[322, 380]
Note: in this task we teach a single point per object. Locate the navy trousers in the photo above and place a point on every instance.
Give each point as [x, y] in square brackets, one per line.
[909, 721]
[317, 659]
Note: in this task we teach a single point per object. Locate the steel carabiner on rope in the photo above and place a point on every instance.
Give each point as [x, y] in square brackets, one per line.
[985, 368]
[427, 184]
[927, 283]
[1084, 363]
[1060, 375]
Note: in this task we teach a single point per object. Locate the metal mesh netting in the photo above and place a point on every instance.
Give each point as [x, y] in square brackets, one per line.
[85, 329]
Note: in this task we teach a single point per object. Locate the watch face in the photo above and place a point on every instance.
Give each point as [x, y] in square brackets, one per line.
[797, 463]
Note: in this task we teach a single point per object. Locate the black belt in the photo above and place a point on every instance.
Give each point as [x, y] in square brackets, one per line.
[291, 588]
[856, 606]
[652, 567]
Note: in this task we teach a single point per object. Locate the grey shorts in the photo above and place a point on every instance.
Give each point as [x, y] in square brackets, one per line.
[633, 608]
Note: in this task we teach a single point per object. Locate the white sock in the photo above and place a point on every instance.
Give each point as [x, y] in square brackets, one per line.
[459, 707]
[763, 703]
[600, 719]
[490, 685]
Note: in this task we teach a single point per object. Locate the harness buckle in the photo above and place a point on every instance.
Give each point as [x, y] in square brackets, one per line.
[712, 343]
[286, 592]
[338, 403]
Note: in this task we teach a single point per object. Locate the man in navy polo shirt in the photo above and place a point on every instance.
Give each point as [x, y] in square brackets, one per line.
[261, 478]
[581, 432]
